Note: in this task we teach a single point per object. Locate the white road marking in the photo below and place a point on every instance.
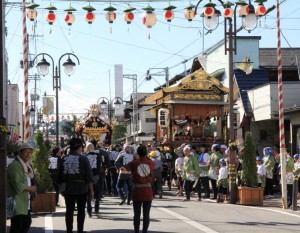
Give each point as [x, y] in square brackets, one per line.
[186, 220]
[48, 223]
[276, 211]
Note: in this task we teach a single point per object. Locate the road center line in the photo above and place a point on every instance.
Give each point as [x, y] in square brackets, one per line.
[48, 223]
[186, 220]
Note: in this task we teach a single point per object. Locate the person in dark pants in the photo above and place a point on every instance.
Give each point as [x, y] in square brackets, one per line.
[95, 163]
[124, 175]
[214, 166]
[112, 170]
[141, 169]
[289, 177]
[19, 185]
[203, 159]
[76, 181]
[191, 171]
[54, 163]
[269, 162]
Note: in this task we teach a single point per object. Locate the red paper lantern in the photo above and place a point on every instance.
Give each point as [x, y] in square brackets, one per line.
[228, 12]
[51, 17]
[70, 18]
[209, 11]
[90, 17]
[243, 10]
[128, 17]
[169, 15]
[260, 10]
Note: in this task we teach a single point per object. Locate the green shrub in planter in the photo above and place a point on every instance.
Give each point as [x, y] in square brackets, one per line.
[40, 161]
[249, 173]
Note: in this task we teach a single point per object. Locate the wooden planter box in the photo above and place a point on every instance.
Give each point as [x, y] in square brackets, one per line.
[250, 196]
[44, 202]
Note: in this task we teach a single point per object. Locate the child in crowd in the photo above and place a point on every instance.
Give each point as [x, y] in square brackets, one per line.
[178, 171]
[222, 181]
[261, 172]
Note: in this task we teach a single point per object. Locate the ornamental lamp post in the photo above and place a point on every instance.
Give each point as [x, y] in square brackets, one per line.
[249, 17]
[43, 68]
[105, 103]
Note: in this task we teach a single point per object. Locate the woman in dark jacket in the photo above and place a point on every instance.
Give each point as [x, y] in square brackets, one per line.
[142, 171]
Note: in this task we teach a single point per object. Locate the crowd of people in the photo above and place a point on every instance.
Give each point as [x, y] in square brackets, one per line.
[86, 172]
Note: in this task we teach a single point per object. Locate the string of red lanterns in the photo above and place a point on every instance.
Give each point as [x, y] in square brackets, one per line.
[149, 19]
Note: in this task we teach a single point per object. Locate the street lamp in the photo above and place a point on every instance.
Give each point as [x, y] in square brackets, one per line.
[249, 15]
[104, 102]
[43, 68]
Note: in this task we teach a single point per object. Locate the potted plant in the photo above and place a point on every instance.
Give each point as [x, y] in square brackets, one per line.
[248, 192]
[45, 199]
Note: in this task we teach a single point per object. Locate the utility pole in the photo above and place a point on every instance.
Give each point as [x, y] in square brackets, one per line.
[34, 97]
[166, 70]
[133, 77]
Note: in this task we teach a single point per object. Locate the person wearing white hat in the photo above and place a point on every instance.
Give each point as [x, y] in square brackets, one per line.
[223, 150]
[20, 185]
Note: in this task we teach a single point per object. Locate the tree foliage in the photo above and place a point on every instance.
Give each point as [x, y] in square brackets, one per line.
[68, 128]
[249, 175]
[40, 161]
[119, 131]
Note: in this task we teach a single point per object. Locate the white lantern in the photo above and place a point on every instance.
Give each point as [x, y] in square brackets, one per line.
[110, 16]
[31, 14]
[260, 10]
[189, 14]
[128, 17]
[149, 19]
[164, 117]
[70, 18]
[243, 10]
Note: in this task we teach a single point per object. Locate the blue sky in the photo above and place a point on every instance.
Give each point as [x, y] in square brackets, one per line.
[98, 49]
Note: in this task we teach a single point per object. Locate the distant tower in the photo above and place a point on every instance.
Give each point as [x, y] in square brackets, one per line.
[119, 88]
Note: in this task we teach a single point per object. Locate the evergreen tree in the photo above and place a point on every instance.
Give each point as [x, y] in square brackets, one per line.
[40, 161]
[119, 131]
[249, 174]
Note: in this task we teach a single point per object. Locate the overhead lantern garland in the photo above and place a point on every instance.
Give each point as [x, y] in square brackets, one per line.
[31, 12]
[89, 16]
[51, 17]
[110, 15]
[169, 14]
[149, 18]
[70, 18]
[189, 12]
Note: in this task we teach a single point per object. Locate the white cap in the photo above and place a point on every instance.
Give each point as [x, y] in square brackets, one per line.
[223, 147]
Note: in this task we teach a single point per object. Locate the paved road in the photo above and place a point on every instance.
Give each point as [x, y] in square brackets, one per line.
[170, 215]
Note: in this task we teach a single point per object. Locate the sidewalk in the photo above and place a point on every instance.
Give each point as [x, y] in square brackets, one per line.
[276, 202]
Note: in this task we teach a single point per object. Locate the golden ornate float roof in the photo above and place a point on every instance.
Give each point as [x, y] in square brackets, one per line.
[200, 80]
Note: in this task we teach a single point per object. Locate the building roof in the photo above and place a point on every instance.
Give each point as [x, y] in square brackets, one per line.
[294, 109]
[246, 82]
[268, 57]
